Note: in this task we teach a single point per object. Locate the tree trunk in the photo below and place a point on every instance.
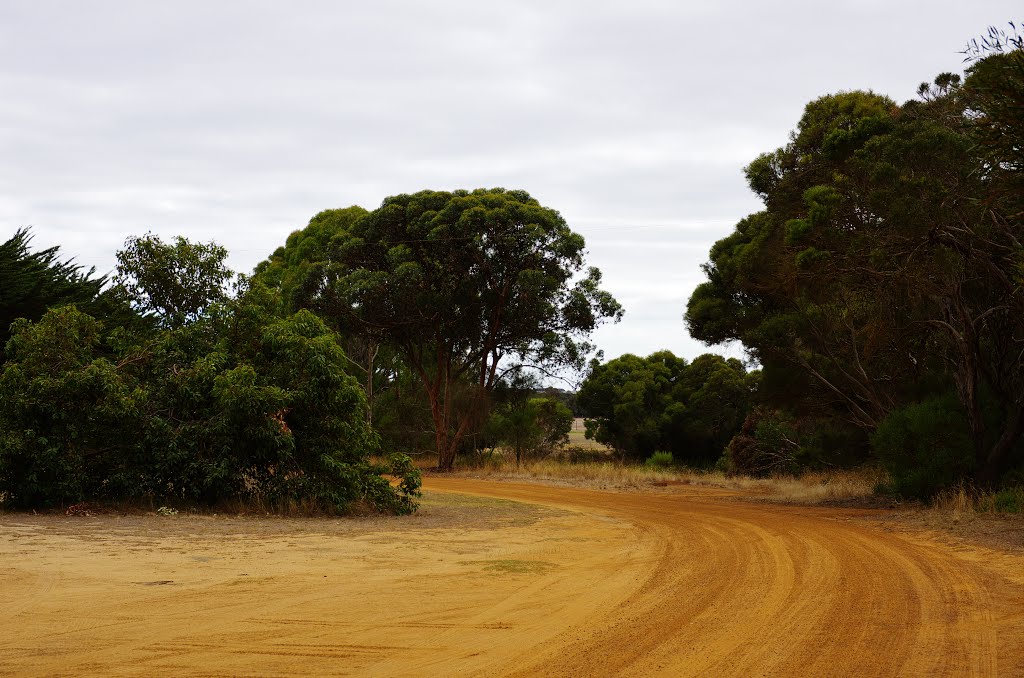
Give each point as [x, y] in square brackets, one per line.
[447, 446]
[371, 353]
[446, 457]
[995, 463]
[445, 453]
[440, 393]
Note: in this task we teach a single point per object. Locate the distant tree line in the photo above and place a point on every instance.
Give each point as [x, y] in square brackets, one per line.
[639, 406]
[878, 295]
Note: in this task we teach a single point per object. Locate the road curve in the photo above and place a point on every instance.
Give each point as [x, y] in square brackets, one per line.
[732, 588]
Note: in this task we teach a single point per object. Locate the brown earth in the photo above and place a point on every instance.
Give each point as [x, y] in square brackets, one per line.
[559, 581]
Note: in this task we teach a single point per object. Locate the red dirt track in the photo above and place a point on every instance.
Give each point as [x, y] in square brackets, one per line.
[566, 582]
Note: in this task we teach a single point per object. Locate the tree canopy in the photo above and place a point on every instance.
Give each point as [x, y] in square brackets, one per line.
[303, 266]
[457, 284]
[882, 270]
[662, 403]
[31, 282]
[173, 283]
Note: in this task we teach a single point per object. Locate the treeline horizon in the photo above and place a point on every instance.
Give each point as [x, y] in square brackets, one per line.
[880, 292]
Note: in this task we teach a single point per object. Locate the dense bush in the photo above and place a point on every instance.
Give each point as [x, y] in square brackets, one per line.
[926, 446]
[67, 414]
[884, 266]
[660, 460]
[241, 403]
[766, 443]
[641, 405]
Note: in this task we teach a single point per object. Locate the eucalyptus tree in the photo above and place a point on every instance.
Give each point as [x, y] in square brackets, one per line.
[460, 284]
[882, 269]
[305, 274]
[174, 283]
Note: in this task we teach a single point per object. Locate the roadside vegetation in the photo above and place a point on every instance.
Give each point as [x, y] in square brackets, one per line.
[812, 487]
[879, 296]
[881, 290]
[182, 394]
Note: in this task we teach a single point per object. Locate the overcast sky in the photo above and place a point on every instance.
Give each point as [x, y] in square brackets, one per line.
[237, 121]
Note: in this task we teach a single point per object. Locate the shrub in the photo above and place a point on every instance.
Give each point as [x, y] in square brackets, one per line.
[242, 404]
[67, 415]
[925, 447]
[638, 406]
[531, 427]
[660, 460]
[1010, 500]
[766, 444]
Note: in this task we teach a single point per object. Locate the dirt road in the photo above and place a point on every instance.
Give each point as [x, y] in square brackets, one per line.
[685, 581]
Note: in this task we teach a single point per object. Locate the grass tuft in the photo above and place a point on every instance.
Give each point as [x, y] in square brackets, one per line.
[965, 501]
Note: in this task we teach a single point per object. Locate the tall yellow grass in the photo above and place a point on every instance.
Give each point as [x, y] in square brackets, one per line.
[965, 502]
[808, 488]
[815, 487]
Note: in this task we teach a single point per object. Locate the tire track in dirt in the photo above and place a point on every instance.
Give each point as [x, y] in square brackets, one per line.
[329, 597]
[567, 582]
[748, 589]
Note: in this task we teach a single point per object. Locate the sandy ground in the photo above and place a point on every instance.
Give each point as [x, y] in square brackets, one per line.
[499, 578]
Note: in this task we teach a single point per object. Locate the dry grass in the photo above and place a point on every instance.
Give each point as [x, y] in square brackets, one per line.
[965, 502]
[994, 520]
[600, 474]
[815, 487]
[956, 503]
[809, 488]
[578, 438]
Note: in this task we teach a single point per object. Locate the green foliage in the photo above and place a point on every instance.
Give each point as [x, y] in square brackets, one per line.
[402, 501]
[660, 460]
[926, 446]
[457, 282]
[303, 267]
[994, 94]
[441, 287]
[175, 283]
[401, 414]
[886, 264]
[827, 443]
[67, 414]
[554, 419]
[810, 257]
[1010, 500]
[641, 405]
[530, 426]
[625, 399]
[32, 282]
[241, 404]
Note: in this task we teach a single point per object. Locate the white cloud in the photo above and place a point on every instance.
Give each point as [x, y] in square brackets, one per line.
[237, 121]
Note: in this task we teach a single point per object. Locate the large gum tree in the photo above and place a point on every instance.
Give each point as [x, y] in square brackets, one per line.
[464, 284]
[884, 269]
